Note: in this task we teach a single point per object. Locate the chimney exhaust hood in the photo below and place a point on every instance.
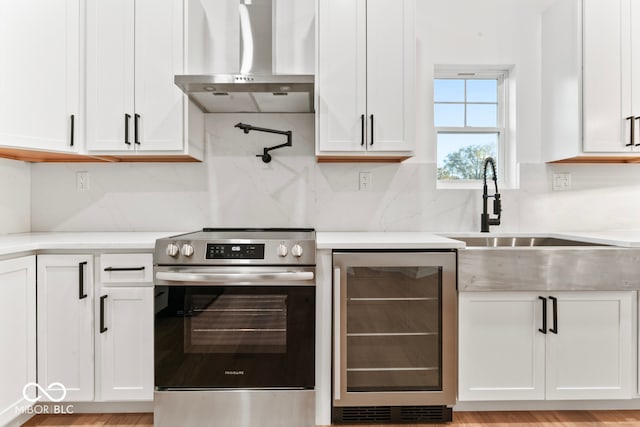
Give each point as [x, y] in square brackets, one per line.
[255, 89]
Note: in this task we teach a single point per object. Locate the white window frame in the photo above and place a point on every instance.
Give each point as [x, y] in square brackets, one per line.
[505, 151]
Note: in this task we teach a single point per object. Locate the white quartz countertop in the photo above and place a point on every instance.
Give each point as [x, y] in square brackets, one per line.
[24, 242]
[21, 242]
[384, 240]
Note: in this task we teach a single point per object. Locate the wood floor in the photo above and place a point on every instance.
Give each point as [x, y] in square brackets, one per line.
[460, 419]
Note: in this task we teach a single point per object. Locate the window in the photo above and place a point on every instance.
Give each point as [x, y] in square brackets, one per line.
[470, 124]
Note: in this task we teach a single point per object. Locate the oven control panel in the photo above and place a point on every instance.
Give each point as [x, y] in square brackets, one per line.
[235, 251]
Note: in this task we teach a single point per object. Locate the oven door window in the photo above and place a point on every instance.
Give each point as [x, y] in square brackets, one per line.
[235, 324]
[235, 336]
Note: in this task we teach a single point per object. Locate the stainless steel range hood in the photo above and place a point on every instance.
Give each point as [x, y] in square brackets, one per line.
[255, 89]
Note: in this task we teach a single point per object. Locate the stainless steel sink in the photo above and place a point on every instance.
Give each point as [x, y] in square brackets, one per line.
[524, 263]
[504, 242]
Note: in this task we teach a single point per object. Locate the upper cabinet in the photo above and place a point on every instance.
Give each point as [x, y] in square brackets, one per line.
[366, 69]
[590, 102]
[40, 78]
[134, 49]
[93, 81]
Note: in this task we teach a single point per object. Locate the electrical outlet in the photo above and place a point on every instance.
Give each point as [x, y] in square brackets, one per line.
[364, 181]
[82, 181]
[561, 181]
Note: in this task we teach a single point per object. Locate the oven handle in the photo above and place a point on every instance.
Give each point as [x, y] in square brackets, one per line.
[174, 276]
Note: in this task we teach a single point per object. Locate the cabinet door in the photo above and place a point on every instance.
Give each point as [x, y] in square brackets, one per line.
[634, 66]
[590, 356]
[40, 77]
[342, 76]
[159, 56]
[125, 342]
[17, 333]
[502, 353]
[65, 323]
[604, 63]
[110, 75]
[390, 74]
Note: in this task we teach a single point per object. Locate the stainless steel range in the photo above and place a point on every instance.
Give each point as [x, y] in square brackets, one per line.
[235, 328]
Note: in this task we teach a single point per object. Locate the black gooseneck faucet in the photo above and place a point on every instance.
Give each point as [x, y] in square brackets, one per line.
[485, 221]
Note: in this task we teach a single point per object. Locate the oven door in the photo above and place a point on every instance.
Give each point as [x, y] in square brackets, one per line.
[234, 327]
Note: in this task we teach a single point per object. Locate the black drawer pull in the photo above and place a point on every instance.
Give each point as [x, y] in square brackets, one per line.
[631, 134]
[136, 130]
[127, 117]
[102, 328]
[81, 294]
[555, 315]
[72, 130]
[544, 315]
[124, 268]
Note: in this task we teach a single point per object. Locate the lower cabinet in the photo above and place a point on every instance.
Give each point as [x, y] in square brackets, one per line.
[95, 336]
[124, 346]
[17, 335]
[65, 324]
[551, 345]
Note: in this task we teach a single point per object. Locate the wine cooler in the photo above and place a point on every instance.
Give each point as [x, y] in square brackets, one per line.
[395, 336]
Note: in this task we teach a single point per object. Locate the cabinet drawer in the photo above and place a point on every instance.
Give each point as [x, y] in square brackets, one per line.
[126, 268]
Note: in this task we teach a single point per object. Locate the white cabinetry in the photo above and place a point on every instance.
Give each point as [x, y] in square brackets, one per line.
[510, 351]
[366, 79]
[40, 77]
[17, 333]
[590, 102]
[65, 324]
[124, 343]
[134, 49]
[609, 108]
[117, 316]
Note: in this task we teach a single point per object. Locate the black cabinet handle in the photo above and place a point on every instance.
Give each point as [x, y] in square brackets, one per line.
[362, 129]
[544, 315]
[102, 328]
[124, 268]
[136, 137]
[631, 135]
[81, 294]
[555, 315]
[371, 143]
[72, 130]
[633, 129]
[127, 117]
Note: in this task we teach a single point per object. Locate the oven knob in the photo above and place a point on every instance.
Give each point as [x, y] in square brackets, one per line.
[172, 250]
[282, 250]
[186, 250]
[296, 250]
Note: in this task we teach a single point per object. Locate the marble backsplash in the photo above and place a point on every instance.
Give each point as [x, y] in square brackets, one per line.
[15, 204]
[235, 188]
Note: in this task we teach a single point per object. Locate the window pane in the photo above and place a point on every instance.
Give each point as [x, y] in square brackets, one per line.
[482, 90]
[460, 155]
[448, 90]
[449, 115]
[482, 115]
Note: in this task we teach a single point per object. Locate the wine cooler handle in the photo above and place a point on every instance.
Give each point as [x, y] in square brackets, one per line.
[337, 335]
